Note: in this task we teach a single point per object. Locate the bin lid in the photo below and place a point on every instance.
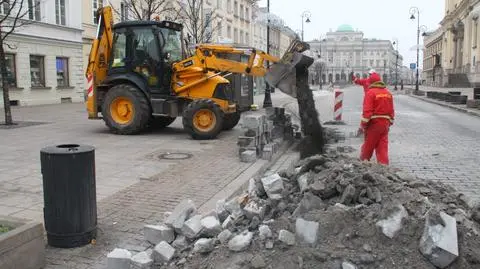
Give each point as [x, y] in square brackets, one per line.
[67, 149]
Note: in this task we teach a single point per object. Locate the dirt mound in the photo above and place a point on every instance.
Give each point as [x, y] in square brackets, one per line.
[351, 207]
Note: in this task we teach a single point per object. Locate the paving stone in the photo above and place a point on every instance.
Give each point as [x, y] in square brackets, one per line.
[253, 121]
[119, 259]
[269, 244]
[192, 227]
[248, 156]
[258, 262]
[439, 242]
[163, 252]
[273, 186]
[264, 232]
[210, 226]
[204, 245]
[240, 242]
[224, 236]
[286, 237]
[392, 225]
[183, 211]
[246, 141]
[180, 242]
[267, 153]
[142, 260]
[158, 233]
[306, 231]
[348, 265]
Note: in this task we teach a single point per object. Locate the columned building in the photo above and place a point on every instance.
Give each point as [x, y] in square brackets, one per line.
[346, 51]
[432, 58]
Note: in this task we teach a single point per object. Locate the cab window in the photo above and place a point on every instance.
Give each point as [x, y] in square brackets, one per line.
[173, 44]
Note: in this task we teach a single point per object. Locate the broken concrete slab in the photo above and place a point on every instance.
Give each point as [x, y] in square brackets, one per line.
[224, 236]
[119, 259]
[264, 232]
[273, 186]
[204, 245]
[142, 260]
[248, 156]
[211, 226]
[234, 207]
[240, 242]
[439, 242]
[286, 237]
[308, 203]
[192, 227]
[221, 210]
[391, 225]
[228, 223]
[183, 211]
[180, 242]
[306, 231]
[158, 233]
[254, 208]
[163, 252]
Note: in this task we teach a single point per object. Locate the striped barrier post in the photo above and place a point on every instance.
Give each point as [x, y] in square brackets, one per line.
[338, 108]
[90, 86]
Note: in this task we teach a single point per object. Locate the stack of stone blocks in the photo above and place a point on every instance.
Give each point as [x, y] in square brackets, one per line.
[264, 134]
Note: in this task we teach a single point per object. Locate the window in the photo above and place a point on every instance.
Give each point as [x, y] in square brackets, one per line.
[229, 31]
[37, 71]
[235, 35]
[241, 12]
[62, 72]
[241, 37]
[11, 74]
[219, 4]
[96, 5]
[475, 34]
[5, 7]
[34, 10]
[123, 11]
[247, 38]
[229, 5]
[235, 7]
[247, 13]
[119, 50]
[60, 11]
[219, 29]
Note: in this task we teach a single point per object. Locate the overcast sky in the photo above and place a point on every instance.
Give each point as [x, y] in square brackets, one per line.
[382, 19]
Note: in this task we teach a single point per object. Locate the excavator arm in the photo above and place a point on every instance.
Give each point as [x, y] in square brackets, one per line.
[98, 59]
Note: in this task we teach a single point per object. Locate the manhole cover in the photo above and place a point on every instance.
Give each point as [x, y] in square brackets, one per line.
[175, 156]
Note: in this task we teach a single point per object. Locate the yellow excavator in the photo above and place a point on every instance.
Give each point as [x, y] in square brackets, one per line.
[139, 76]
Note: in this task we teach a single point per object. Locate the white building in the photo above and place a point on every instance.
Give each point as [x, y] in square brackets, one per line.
[44, 59]
[346, 50]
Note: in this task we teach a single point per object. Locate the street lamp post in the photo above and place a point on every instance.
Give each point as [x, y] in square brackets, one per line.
[267, 100]
[413, 11]
[305, 14]
[395, 43]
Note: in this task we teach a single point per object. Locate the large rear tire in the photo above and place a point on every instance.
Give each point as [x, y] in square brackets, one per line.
[126, 110]
[203, 119]
[230, 121]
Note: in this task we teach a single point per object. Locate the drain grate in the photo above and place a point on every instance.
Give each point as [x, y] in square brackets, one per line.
[175, 156]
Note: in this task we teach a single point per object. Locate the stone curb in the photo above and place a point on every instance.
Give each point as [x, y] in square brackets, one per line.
[240, 183]
[460, 109]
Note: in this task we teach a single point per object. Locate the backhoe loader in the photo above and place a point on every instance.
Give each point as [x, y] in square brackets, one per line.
[139, 76]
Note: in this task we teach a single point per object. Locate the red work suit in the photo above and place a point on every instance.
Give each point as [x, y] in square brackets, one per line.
[378, 115]
[366, 82]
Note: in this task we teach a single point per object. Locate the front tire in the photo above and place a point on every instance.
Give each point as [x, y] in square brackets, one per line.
[203, 119]
[126, 110]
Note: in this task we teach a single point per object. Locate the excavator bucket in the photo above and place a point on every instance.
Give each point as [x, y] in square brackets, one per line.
[283, 74]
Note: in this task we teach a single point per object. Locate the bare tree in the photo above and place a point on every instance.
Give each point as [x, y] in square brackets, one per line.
[143, 9]
[198, 21]
[13, 16]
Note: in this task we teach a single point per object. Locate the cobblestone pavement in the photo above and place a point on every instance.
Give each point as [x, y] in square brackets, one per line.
[431, 141]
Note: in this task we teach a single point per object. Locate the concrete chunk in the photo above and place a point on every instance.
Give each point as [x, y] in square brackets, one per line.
[222, 212]
[228, 223]
[273, 186]
[180, 214]
[348, 265]
[393, 224]
[246, 141]
[439, 242]
[248, 156]
[192, 227]
[240, 242]
[211, 226]
[203, 245]
[234, 207]
[163, 252]
[264, 232]
[142, 260]
[286, 237]
[306, 231]
[253, 121]
[158, 233]
[180, 242]
[224, 236]
[119, 259]
[253, 209]
[303, 181]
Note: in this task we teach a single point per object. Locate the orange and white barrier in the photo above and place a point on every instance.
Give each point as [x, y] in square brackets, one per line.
[338, 108]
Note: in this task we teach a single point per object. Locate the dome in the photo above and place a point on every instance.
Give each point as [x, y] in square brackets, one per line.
[345, 28]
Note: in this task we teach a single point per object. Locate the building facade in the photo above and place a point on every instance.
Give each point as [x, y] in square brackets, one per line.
[346, 51]
[432, 58]
[44, 58]
[460, 51]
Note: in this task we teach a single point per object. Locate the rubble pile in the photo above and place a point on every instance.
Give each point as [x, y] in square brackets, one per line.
[325, 211]
[264, 133]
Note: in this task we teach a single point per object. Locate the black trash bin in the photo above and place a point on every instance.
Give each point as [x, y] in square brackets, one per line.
[69, 193]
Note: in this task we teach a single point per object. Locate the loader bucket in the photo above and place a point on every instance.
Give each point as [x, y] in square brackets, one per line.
[283, 74]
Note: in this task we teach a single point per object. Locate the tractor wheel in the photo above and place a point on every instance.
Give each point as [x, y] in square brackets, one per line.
[203, 119]
[230, 121]
[126, 110]
[161, 122]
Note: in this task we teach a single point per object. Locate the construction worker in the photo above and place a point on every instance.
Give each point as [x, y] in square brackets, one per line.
[372, 76]
[377, 117]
